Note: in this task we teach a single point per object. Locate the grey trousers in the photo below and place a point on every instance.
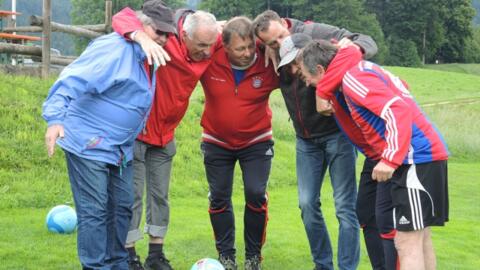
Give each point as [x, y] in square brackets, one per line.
[152, 166]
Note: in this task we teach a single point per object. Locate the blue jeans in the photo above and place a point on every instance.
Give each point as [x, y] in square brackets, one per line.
[103, 195]
[313, 157]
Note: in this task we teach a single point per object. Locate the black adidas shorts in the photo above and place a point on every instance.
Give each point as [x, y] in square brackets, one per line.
[420, 196]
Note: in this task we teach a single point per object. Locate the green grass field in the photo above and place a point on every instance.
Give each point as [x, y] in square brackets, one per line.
[30, 183]
[459, 68]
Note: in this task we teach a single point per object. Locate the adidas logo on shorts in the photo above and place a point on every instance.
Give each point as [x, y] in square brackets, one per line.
[403, 220]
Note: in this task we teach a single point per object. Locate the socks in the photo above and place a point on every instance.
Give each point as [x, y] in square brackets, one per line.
[131, 252]
[390, 252]
[155, 249]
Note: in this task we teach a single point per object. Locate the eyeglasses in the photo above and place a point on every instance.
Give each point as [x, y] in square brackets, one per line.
[161, 33]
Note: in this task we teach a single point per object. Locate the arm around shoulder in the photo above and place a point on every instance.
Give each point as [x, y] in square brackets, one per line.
[125, 22]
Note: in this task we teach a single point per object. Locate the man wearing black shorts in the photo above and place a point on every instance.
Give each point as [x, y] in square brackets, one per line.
[410, 151]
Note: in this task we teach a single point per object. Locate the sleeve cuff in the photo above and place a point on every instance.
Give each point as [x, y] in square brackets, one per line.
[54, 122]
[323, 95]
[393, 165]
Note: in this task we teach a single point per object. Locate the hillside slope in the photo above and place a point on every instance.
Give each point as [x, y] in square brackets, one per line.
[29, 179]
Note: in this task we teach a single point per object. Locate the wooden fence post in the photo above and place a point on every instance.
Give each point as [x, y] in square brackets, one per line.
[46, 38]
[108, 16]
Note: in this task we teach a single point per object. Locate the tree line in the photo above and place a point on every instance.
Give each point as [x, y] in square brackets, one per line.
[408, 32]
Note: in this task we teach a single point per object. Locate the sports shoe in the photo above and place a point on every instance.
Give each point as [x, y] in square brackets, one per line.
[253, 263]
[134, 263]
[228, 262]
[157, 263]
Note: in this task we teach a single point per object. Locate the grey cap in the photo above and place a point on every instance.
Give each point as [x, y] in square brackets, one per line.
[160, 14]
[290, 47]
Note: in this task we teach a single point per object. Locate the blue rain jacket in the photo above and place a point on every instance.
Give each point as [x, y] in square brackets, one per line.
[102, 100]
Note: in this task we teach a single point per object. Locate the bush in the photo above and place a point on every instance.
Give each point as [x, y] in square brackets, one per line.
[402, 53]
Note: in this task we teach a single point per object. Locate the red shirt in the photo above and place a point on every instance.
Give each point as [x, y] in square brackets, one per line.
[175, 81]
[237, 116]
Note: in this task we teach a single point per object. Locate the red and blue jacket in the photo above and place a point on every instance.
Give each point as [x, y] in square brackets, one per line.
[377, 112]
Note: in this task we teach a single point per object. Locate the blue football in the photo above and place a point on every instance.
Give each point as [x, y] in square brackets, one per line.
[61, 219]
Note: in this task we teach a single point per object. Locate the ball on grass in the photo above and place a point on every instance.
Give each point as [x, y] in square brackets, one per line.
[61, 219]
[207, 264]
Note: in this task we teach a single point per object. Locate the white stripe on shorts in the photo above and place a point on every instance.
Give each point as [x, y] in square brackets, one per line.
[415, 208]
[414, 188]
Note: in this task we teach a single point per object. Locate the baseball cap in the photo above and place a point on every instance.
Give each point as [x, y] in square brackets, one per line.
[161, 15]
[290, 47]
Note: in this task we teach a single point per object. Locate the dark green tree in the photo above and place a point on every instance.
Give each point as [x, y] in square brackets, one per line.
[348, 14]
[402, 52]
[472, 47]
[417, 21]
[440, 29]
[226, 9]
[458, 29]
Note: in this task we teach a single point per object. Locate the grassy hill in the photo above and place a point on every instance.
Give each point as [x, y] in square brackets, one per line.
[30, 183]
[473, 69]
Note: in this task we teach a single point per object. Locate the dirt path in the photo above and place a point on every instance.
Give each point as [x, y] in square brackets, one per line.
[452, 102]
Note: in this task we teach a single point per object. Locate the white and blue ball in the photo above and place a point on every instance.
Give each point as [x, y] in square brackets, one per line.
[207, 264]
[61, 219]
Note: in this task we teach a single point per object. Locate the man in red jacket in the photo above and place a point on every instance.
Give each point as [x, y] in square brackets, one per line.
[237, 127]
[190, 49]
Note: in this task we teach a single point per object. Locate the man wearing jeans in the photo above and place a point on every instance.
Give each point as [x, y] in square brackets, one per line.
[94, 112]
[320, 144]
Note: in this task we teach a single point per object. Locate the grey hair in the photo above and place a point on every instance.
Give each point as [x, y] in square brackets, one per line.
[317, 52]
[194, 20]
[241, 25]
[144, 18]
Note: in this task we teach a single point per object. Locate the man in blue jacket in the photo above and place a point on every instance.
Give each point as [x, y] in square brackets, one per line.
[94, 112]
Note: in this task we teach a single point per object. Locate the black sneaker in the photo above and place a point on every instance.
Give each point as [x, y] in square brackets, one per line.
[228, 262]
[253, 263]
[134, 263]
[157, 263]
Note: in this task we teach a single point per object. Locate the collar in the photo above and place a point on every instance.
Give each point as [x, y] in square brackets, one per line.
[289, 23]
[247, 66]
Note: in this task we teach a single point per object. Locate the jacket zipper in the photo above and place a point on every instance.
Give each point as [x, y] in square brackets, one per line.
[299, 115]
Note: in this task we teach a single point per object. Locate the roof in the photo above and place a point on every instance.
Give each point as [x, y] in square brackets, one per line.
[17, 37]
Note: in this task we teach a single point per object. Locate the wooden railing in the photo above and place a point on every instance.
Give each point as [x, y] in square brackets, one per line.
[46, 26]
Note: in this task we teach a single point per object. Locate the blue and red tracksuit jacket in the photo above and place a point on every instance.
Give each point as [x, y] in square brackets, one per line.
[377, 112]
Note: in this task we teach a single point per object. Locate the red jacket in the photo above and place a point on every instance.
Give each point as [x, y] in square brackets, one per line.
[175, 81]
[237, 116]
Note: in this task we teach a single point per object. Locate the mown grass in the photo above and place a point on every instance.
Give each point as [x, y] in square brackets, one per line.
[429, 86]
[30, 183]
[473, 69]
[26, 244]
